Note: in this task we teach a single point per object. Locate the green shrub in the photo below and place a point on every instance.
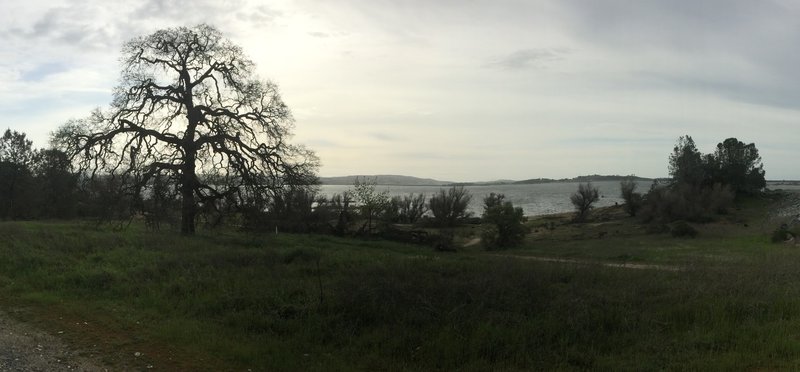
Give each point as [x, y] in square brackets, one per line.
[633, 200]
[782, 234]
[450, 207]
[656, 228]
[504, 223]
[681, 229]
[686, 202]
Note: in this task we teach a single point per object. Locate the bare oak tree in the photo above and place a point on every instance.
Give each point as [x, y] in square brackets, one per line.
[190, 108]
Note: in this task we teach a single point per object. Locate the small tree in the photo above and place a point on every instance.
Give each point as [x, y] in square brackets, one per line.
[16, 159]
[371, 202]
[292, 209]
[449, 207]
[686, 162]
[406, 209]
[340, 203]
[740, 166]
[633, 200]
[55, 184]
[504, 223]
[584, 199]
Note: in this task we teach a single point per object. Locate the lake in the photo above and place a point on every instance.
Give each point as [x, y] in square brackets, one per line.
[535, 200]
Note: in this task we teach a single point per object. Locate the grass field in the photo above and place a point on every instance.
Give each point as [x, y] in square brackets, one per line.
[232, 301]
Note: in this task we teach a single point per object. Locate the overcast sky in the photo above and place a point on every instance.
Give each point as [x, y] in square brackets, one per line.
[454, 90]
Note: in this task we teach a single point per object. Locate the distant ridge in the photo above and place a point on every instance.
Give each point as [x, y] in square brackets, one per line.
[589, 178]
[398, 180]
[533, 181]
[384, 180]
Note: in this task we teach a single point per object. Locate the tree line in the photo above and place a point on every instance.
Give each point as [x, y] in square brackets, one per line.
[700, 185]
[194, 136]
[35, 183]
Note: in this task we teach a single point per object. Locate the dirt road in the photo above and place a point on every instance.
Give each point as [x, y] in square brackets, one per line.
[24, 348]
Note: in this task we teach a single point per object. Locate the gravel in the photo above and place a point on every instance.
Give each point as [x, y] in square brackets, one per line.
[24, 348]
[789, 205]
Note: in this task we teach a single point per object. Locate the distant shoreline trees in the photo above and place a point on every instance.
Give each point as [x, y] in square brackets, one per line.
[702, 185]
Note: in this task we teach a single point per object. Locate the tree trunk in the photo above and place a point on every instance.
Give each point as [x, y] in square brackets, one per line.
[188, 208]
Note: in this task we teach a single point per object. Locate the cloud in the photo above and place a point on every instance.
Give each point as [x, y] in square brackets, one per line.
[385, 136]
[738, 50]
[738, 88]
[72, 26]
[103, 25]
[44, 70]
[528, 58]
[319, 34]
[260, 15]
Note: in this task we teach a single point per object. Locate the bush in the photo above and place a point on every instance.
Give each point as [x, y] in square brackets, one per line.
[505, 223]
[656, 228]
[584, 200]
[664, 204]
[680, 229]
[450, 207]
[782, 234]
[406, 209]
[633, 200]
[334, 214]
[443, 241]
[291, 210]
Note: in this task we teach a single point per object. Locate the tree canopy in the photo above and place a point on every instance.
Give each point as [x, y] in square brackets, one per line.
[190, 108]
[686, 162]
[739, 166]
[734, 164]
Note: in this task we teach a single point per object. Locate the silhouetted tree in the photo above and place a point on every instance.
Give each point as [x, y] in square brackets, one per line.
[16, 160]
[406, 209]
[633, 200]
[584, 199]
[739, 166]
[55, 184]
[189, 107]
[339, 205]
[450, 207]
[292, 209]
[686, 162]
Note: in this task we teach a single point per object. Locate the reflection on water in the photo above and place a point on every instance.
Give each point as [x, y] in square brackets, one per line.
[535, 200]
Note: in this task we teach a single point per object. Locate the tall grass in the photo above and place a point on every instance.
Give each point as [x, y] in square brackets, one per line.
[241, 301]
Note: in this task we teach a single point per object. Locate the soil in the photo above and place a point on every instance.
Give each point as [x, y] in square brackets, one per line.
[24, 348]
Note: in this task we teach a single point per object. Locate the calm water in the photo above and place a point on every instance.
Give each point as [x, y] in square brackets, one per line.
[534, 199]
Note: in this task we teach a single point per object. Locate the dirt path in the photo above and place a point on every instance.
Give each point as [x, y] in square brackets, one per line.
[474, 241]
[24, 348]
[587, 262]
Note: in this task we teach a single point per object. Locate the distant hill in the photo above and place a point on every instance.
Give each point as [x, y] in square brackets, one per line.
[397, 180]
[589, 178]
[385, 180]
[533, 181]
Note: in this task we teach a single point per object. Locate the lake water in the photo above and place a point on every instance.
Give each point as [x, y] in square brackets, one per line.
[539, 199]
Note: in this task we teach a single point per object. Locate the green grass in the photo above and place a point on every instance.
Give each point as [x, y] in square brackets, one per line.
[231, 301]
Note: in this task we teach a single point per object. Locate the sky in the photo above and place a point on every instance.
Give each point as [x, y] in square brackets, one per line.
[466, 90]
